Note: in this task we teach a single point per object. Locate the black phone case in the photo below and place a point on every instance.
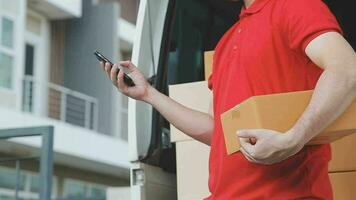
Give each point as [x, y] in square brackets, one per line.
[127, 79]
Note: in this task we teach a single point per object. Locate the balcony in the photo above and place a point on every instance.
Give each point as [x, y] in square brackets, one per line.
[55, 9]
[61, 103]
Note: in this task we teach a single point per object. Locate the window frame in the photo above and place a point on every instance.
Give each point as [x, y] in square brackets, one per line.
[88, 186]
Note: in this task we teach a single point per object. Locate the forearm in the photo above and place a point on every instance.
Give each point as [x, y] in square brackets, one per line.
[196, 124]
[333, 93]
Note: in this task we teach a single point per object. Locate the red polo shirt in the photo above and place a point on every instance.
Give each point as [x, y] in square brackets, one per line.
[263, 53]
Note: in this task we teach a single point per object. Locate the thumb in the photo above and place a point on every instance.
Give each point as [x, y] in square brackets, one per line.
[246, 134]
[128, 65]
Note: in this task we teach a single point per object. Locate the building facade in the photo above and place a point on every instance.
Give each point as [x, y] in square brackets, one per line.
[49, 76]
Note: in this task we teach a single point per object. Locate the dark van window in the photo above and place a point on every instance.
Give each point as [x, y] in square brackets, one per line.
[197, 27]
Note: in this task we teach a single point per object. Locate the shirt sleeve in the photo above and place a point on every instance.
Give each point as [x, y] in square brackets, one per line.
[304, 20]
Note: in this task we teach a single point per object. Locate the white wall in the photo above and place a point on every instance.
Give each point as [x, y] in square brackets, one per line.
[103, 153]
[7, 98]
[118, 193]
[58, 9]
[74, 7]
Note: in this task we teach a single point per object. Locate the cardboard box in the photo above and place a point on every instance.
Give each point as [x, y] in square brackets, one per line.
[280, 112]
[192, 156]
[344, 185]
[208, 63]
[195, 95]
[192, 170]
[341, 160]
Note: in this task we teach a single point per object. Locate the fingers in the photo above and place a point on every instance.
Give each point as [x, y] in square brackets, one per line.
[128, 65]
[246, 145]
[251, 133]
[252, 141]
[120, 82]
[102, 65]
[108, 69]
[248, 156]
[114, 74]
[246, 134]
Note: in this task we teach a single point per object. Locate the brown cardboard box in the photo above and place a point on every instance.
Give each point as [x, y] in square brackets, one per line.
[280, 112]
[192, 156]
[344, 185]
[341, 150]
[192, 170]
[208, 63]
[195, 95]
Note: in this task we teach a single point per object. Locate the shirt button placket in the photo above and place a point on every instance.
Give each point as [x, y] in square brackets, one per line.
[234, 47]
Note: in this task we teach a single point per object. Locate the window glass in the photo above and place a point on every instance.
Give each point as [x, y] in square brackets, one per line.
[29, 59]
[74, 188]
[35, 183]
[98, 192]
[196, 28]
[8, 179]
[5, 70]
[7, 35]
[5, 197]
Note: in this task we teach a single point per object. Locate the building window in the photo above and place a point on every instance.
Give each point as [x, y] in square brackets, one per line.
[80, 189]
[8, 179]
[7, 36]
[74, 189]
[6, 63]
[6, 51]
[28, 185]
[98, 192]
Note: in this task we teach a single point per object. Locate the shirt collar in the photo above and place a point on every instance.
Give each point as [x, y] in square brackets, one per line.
[256, 6]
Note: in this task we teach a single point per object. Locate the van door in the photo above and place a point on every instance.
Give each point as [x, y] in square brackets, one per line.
[147, 182]
[145, 54]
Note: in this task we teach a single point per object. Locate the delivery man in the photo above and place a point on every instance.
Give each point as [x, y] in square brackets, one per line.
[277, 46]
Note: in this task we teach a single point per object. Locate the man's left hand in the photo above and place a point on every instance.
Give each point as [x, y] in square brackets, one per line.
[267, 147]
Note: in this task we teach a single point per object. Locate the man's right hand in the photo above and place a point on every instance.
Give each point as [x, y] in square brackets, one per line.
[139, 91]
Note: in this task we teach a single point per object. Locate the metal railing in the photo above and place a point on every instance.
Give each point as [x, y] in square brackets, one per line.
[62, 103]
[45, 157]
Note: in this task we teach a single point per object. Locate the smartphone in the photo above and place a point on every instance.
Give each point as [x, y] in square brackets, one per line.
[127, 79]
